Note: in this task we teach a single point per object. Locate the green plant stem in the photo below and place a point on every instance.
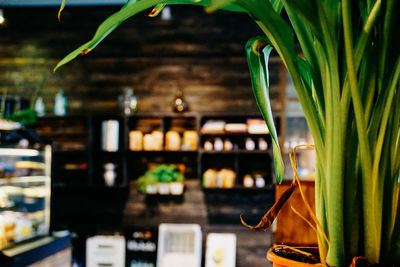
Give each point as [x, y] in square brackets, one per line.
[390, 198]
[383, 166]
[395, 246]
[395, 153]
[335, 134]
[353, 196]
[320, 206]
[384, 122]
[386, 36]
[371, 217]
[359, 51]
[366, 32]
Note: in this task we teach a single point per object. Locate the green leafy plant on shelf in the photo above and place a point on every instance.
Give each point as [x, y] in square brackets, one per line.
[347, 81]
[26, 116]
[162, 173]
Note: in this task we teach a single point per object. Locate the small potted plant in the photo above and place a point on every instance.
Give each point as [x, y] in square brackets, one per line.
[162, 179]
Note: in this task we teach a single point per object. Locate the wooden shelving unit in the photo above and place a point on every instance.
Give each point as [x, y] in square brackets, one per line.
[239, 159]
[79, 159]
[79, 168]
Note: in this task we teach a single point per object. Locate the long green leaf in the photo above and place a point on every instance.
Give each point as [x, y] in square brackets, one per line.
[353, 196]
[258, 65]
[128, 10]
[371, 225]
[306, 11]
[308, 44]
[395, 246]
[230, 4]
[390, 189]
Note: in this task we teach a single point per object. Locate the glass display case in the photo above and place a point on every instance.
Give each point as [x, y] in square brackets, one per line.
[25, 188]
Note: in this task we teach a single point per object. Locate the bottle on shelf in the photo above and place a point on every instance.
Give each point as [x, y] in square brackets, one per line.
[40, 107]
[248, 181]
[208, 145]
[190, 140]
[60, 104]
[109, 174]
[110, 135]
[136, 140]
[228, 146]
[218, 144]
[172, 141]
[259, 180]
[262, 144]
[250, 144]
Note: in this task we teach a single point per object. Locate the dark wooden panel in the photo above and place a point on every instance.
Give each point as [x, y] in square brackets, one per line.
[290, 228]
[201, 53]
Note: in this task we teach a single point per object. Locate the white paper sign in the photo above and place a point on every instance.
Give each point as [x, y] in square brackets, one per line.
[221, 250]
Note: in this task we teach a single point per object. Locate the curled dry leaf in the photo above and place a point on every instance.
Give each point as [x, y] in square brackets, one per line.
[360, 262]
[269, 217]
[156, 10]
[85, 51]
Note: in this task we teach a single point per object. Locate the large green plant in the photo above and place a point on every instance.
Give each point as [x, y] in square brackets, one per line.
[347, 80]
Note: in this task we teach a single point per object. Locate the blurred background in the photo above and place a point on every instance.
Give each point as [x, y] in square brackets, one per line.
[157, 126]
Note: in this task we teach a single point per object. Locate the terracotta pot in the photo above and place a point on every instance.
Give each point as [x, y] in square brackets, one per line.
[279, 261]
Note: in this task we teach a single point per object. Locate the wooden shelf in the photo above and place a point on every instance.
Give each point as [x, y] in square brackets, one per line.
[70, 151]
[237, 151]
[165, 115]
[62, 133]
[162, 151]
[239, 160]
[234, 134]
[240, 189]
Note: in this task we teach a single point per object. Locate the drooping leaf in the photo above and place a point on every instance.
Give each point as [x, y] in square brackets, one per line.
[258, 65]
[280, 36]
[61, 9]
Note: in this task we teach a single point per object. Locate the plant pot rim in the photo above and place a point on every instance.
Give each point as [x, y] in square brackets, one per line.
[279, 261]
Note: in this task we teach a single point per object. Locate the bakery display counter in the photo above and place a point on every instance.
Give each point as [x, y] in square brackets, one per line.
[44, 251]
[25, 190]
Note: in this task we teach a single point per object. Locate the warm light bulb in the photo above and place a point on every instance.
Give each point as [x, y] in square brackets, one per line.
[2, 19]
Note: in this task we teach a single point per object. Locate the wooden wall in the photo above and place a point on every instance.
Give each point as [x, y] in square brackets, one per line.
[201, 53]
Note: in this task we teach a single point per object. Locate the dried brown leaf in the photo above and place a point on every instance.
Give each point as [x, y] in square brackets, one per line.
[270, 216]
